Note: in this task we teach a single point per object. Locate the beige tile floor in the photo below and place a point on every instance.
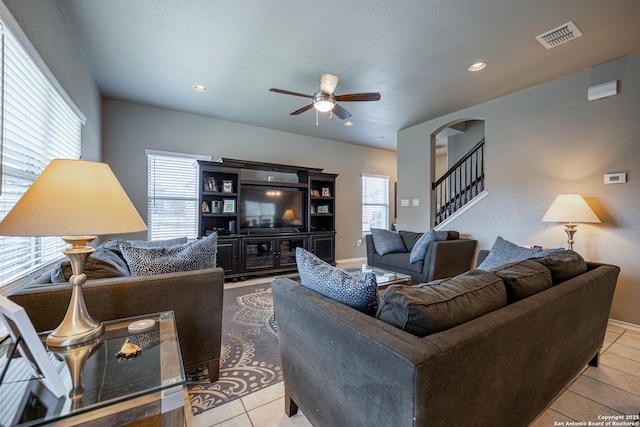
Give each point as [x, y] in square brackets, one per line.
[613, 388]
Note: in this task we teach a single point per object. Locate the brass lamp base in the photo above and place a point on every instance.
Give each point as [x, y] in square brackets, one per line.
[77, 326]
[570, 229]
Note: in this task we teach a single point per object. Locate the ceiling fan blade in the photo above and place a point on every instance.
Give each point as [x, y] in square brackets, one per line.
[288, 92]
[341, 112]
[302, 110]
[350, 97]
[328, 83]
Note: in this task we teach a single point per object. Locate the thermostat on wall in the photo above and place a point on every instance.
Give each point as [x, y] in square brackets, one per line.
[615, 178]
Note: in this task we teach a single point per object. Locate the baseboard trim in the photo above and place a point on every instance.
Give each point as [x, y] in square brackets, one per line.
[625, 325]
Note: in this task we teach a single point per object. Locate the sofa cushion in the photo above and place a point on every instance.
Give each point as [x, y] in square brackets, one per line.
[398, 262]
[102, 264]
[523, 279]
[442, 304]
[564, 265]
[504, 252]
[358, 291]
[197, 255]
[387, 241]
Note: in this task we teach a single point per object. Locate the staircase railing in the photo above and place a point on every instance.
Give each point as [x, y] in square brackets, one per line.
[460, 184]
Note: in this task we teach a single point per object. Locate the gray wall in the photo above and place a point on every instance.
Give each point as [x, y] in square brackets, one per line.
[130, 128]
[459, 145]
[46, 27]
[544, 141]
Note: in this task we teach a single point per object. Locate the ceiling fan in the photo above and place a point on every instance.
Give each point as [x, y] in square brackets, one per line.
[325, 100]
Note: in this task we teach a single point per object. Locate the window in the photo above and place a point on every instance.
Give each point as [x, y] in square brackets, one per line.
[38, 124]
[375, 202]
[172, 196]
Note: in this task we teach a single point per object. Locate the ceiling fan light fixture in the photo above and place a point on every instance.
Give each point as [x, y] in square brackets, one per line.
[323, 102]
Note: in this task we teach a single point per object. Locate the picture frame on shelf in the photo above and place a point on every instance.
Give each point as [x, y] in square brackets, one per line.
[326, 191]
[315, 193]
[28, 343]
[210, 184]
[323, 209]
[229, 206]
[205, 207]
[227, 186]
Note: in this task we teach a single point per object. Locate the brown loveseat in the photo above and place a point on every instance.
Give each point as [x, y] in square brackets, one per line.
[345, 368]
[194, 296]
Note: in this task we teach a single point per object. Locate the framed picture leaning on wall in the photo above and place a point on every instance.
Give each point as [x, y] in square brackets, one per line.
[29, 345]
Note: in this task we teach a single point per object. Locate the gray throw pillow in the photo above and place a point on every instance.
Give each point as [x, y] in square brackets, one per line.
[387, 241]
[197, 255]
[101, 264]
[504, 252]
[359, 291]
[420, 248]
[442, 304]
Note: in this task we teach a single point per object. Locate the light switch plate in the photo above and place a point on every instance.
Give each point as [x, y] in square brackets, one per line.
[416, 202]
[404, 202]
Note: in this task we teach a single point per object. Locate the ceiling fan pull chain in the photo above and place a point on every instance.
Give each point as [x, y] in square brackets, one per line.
[316, 117]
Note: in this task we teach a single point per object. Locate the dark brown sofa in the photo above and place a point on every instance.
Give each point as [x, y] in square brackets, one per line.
[345, 368]
[194, 296]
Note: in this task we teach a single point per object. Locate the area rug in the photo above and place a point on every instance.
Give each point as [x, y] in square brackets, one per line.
[249, 358]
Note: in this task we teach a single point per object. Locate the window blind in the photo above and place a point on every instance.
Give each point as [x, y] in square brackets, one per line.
[37, 125]
[172, 198]
[375, 202]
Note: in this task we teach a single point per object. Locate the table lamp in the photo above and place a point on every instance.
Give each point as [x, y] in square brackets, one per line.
[570, 208]
[79, 200]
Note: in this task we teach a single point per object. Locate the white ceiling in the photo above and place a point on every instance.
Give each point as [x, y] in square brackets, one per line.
[414, 52]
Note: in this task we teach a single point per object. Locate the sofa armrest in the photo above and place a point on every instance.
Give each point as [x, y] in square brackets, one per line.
[371, 248]
[194, 296]
[448, 258]
[332, 353]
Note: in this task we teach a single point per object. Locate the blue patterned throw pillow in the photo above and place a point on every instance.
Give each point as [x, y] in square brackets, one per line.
[359, 291]
[387, 241]
[504, 252]
[197, 255]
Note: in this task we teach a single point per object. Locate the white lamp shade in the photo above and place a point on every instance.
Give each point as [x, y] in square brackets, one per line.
[71, 198]
[570, 208]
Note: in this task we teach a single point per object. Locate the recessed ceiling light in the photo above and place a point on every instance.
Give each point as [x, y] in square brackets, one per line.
[200, 88]
[477, 66]
[348, 124]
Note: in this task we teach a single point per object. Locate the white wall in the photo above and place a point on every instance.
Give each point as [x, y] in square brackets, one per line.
[130, 128]
[545, 141]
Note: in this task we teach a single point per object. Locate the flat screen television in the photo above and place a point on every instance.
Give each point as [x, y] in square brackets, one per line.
[271, 209]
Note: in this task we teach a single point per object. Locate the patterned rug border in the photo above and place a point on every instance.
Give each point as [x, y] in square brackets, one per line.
[250, 356]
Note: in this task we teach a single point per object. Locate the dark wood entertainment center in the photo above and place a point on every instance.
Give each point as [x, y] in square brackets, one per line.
[263, 211]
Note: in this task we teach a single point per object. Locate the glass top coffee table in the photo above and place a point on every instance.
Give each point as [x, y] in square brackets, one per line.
[114, 390]
[384, 278]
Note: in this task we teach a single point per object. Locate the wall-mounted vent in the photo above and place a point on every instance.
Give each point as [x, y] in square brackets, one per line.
[557, 36]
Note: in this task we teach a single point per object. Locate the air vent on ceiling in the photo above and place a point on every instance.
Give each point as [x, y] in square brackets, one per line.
[564, 33]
